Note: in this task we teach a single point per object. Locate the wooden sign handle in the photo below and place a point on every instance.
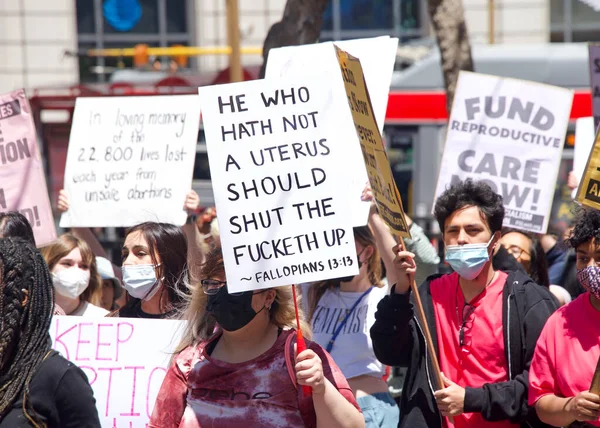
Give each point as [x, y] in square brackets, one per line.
[595, 386]
[425, 327]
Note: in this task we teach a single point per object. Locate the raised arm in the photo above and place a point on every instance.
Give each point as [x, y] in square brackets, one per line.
[392, 333]
[383, 237]
[195, 254]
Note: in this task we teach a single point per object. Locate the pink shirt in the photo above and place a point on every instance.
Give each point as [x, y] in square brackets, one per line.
[199, 391]
[481, 359]
[567, 352]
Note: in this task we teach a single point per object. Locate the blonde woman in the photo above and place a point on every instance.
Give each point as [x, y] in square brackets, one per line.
[236, 366]
[77, 284]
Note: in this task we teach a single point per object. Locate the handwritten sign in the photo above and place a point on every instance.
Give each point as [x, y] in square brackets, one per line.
[385, 192]
[378, 57]
[510, 134]
[594, 58]
[22, 180]
[273, 156]
[130, 160]
[124, 359]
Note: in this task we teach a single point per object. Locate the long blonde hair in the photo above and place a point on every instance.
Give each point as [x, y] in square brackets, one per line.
[63, 246]
[201, 325]
[364, 237]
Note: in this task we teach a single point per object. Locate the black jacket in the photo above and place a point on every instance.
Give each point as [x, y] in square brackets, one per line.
[398, 340]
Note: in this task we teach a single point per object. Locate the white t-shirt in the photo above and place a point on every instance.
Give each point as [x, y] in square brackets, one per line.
[353, 349]
[89, 310]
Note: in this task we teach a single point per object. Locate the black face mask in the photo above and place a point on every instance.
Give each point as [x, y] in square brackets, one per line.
[350, 278]
[232, 312]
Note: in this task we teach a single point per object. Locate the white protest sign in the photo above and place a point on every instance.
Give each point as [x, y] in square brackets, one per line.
[594, 58]
[273, 154]
[584, 140]
[124, 359]
[130, 160]
[377, 56]
[510, 134]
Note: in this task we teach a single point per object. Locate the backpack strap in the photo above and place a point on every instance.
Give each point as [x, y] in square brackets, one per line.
[305, 404]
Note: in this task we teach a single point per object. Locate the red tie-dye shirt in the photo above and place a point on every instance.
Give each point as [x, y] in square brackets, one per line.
[199, 391]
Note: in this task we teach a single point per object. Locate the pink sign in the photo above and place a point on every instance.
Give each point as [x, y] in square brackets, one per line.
[22, 181]
[124, 359]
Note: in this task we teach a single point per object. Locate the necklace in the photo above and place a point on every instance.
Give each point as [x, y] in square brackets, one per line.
[474, 297]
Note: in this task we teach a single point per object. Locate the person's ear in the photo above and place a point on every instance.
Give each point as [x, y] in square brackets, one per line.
[496, 241]
[25, 298]
[368, 252]
[271, 295]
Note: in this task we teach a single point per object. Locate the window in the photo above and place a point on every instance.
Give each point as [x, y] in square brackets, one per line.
[573, 21]
[348, 19]
[125, 23]
[135, 16]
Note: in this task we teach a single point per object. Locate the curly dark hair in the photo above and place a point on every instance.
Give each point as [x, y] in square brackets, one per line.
[585, 227]
[26, 306]
[470, 193]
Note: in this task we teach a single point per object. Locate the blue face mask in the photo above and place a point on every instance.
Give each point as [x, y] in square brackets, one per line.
[468, 260]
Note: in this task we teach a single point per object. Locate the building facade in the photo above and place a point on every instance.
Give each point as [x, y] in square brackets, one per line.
[35, 34]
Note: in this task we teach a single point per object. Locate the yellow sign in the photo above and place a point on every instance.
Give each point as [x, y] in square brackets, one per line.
[382, 182]
[589, 188]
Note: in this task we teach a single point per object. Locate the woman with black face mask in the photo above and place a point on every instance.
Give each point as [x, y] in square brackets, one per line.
[342, 311]
[236, 365]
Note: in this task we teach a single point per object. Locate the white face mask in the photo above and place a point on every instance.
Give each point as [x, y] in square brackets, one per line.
[71, 282]
[140, 281]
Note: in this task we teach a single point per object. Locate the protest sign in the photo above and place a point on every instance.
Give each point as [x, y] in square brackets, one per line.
[124, 359]
[385, 192]
[594, 58]
[378, 56]
[510, 134]
[584, 140]
[588, 192]
[130, 160]
[22, 180]
[273, 157]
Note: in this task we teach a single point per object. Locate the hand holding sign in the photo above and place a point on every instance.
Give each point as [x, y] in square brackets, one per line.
[192, 202]
[309, 371]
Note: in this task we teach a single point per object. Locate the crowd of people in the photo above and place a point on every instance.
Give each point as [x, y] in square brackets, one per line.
[513, 325]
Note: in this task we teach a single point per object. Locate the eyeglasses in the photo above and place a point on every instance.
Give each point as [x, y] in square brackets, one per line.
[468, 315]
[515, 251]
[212, 286]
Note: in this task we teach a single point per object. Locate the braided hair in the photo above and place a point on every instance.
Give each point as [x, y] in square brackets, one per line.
[26, 305]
